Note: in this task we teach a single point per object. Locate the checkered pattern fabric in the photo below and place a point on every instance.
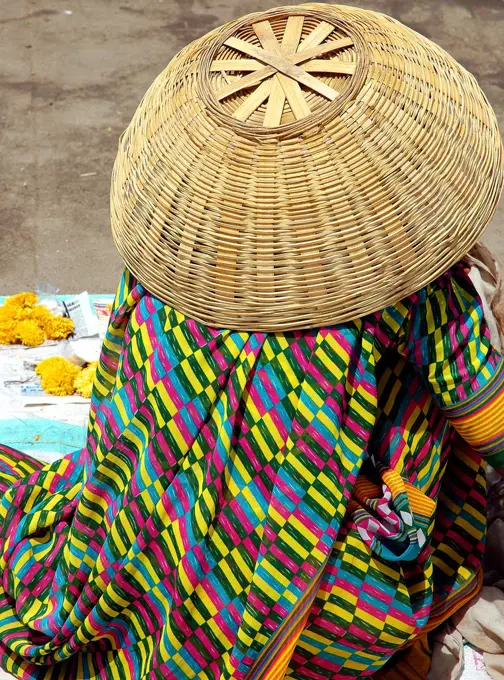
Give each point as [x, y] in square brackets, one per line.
[249, 505]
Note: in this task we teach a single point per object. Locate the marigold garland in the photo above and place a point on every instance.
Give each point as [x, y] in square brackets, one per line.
[23, 320]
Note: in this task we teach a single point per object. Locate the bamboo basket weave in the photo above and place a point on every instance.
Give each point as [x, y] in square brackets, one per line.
[301, 167]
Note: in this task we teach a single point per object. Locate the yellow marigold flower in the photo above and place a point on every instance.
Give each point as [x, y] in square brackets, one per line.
[59, 328]
[20, 313]
[30, 333]
[42, 316]
[22, 300]
[23, 320]
[8, 334]
[7, 314]
[84, 381]
[57, 376]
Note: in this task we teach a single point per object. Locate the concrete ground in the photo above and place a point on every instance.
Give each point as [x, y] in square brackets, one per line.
[72, 73]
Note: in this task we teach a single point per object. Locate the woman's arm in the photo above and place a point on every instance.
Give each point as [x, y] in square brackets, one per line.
[448, 340]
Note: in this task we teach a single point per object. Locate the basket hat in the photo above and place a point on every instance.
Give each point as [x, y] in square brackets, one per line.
[301, 167]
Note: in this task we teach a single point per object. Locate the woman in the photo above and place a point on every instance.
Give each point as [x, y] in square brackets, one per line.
[272, 497]
[237, 483]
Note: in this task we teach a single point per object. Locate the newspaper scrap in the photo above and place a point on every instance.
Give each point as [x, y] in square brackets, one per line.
[82, 314]
[85, 350]
[103, 309]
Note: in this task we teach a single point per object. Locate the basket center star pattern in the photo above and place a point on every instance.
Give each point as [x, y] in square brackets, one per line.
[287, 64]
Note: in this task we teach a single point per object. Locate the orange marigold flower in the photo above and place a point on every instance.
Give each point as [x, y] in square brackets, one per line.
[58, 376]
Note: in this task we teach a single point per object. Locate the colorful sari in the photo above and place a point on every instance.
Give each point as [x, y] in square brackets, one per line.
[253, 505]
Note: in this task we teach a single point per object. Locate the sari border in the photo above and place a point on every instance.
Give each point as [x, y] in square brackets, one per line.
[264, 662]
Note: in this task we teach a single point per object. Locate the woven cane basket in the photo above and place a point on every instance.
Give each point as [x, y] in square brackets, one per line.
[303, 166]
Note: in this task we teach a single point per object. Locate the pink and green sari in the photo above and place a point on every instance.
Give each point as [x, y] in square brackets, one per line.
[257, 506]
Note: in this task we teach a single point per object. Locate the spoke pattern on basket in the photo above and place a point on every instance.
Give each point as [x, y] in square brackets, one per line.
[276, 70]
